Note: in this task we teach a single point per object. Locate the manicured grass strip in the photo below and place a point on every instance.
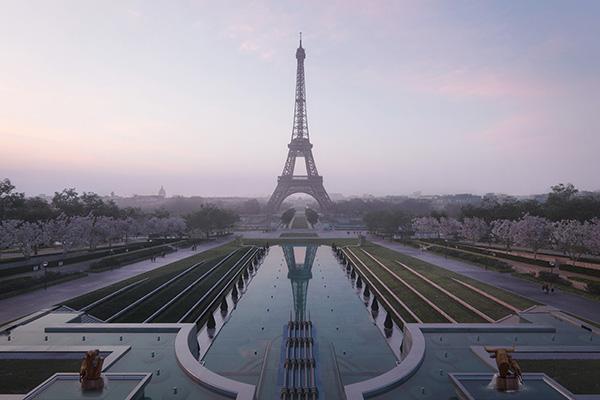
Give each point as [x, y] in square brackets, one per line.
[202, 305]
[298, 235]
[181, 306]
[190, 286]
[16, 286]
[154, 301]
[397, 311]
[443, 277]
[151, 293]
[489, 296]
[19, 376]
[113, 294]
[415, 291]
[208, 309]
[299, 222]
[156, 277]
[578, 376]
[440, 277]
[414, 302]
[303, 241]
[447, 293]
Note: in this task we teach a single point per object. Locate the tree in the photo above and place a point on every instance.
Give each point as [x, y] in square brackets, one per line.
[592, 237]
[570, 237]
[450, 228]
[503, 232]
[388, 222]
[68, 202]
[426, 226]
[474, 229]
[311, 216]
[9, 199]
[7, 233]
[533, 232]
[211, 219]
[287, 216]
[28, 236]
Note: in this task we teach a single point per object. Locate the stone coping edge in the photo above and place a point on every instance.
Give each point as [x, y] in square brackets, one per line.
[26, 319]
[213, 381]
[144, 378]
[186, 351]
[415, 352]
[464, 394]
[116, 352]
[413, 347]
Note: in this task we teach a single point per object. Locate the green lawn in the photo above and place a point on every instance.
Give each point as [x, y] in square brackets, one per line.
[146, 308]
[443, 278]
[297, 235]
[155, 276]
[20, 376]
[288, 240]
[299, 222]
[425, 312]
[578, 376]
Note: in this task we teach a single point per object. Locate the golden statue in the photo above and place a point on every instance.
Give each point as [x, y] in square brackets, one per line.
[509, 371]
[91, 370]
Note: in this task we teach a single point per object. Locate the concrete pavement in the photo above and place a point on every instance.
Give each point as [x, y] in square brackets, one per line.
[27, 303]
[569, 302]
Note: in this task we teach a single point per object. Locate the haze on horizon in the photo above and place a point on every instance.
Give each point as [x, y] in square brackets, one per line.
[438, 97]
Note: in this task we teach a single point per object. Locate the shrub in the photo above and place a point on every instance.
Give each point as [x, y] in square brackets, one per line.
[553, 278]
[492, 263]
[593, 287]
[580, 270]
[130, 257]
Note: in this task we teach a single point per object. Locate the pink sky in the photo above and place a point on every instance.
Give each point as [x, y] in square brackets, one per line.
[439, 97]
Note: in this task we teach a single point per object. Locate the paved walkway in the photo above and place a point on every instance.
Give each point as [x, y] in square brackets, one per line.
[27, 303]
[572, 303]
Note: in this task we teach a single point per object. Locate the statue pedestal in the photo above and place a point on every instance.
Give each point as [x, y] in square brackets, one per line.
[508, 383]
[92, 384]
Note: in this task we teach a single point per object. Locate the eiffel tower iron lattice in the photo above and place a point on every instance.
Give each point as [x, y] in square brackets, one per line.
[300, 146]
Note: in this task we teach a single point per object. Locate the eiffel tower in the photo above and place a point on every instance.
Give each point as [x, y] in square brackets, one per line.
[300, 146]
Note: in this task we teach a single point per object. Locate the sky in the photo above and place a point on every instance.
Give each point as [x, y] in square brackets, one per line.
[402, 96]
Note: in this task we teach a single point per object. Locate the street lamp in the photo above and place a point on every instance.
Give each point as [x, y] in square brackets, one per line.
[45, 269]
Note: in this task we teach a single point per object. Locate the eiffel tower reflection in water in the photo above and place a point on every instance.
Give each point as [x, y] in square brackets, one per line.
[299, 275]
[299, 369]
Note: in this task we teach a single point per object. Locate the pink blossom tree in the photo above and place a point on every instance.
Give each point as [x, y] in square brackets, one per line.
[474, 229]
[7, 233]
[533, 232]
[592, 237]
[426, 226]
[450, 228]
[503, 232]
[28, 236]
[569, 236]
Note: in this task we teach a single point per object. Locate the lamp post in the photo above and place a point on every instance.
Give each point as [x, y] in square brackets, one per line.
[45, 269]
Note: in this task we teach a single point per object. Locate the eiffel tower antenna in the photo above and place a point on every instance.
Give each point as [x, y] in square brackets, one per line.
[288, 183]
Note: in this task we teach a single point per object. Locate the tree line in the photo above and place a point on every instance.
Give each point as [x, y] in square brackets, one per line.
[570, 236]
[73, 221]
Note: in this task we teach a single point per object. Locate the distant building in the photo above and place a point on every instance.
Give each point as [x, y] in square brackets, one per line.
[161, 192]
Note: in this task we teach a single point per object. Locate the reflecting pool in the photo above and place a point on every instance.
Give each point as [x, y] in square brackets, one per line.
[307, 282]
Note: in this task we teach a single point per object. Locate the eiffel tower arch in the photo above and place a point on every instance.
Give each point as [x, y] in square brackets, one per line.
[300, 146]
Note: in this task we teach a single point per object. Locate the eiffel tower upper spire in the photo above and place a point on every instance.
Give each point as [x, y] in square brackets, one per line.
[300, 128]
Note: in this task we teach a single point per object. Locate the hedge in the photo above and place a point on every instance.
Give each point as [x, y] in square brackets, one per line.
[497, 265]
[580, 270]
[127, 258]
[513, 257]
[553, 278]
[15, 286]
[72, 259]
[593, 287]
